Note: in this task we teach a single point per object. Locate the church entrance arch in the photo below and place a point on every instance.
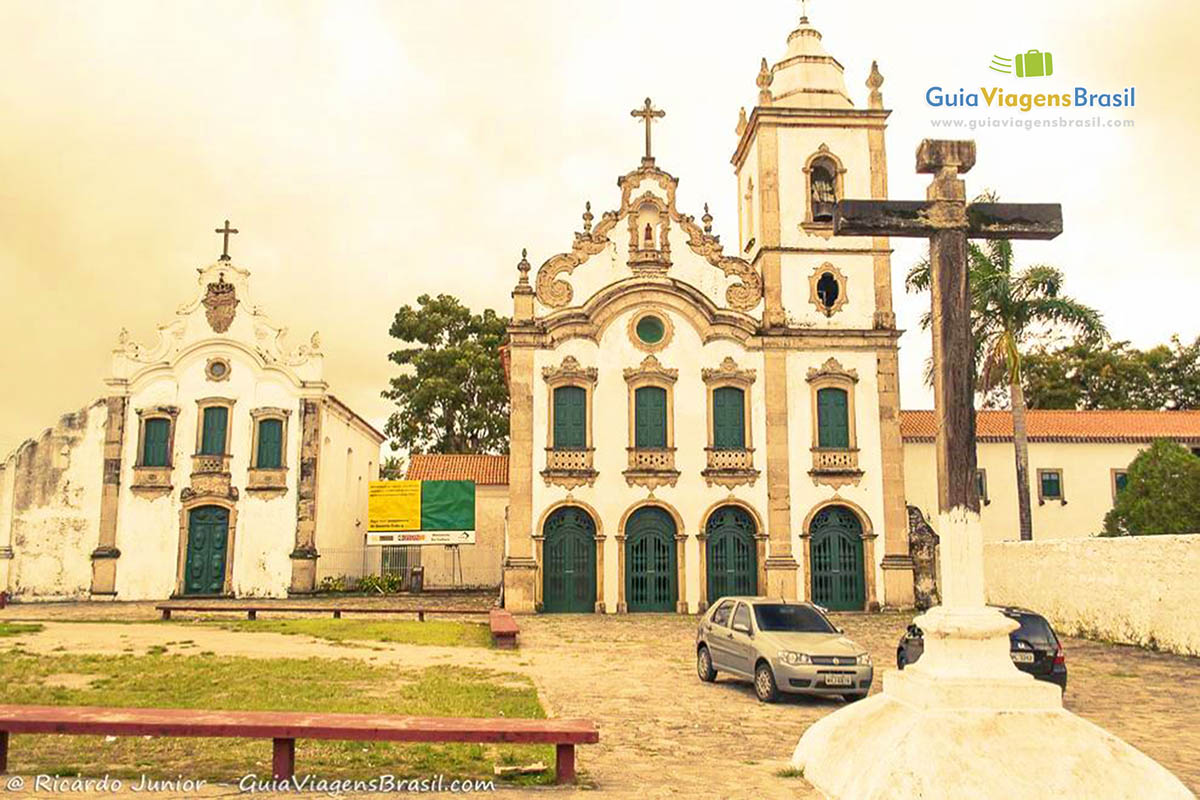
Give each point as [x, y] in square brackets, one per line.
[569, 555]
[207, 551]
[837, 559]
[650, 568]
[731, 553]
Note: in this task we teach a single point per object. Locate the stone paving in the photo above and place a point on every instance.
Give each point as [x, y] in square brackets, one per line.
[666, 734]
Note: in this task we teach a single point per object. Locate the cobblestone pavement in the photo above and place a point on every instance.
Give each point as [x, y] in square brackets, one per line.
[666, 734]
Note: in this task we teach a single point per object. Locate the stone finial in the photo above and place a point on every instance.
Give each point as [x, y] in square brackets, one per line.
[523, 267]
[741, 123]
[765, 78]
[874, 81]
[707, 219]
[587, 217]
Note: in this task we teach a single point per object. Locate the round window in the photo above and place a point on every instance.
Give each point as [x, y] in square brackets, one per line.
[217, 369]
[650, 330]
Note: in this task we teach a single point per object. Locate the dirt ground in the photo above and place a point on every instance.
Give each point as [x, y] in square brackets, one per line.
[663, 732]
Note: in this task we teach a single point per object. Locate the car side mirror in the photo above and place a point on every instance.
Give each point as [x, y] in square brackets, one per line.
[838, 630]
[742, 627]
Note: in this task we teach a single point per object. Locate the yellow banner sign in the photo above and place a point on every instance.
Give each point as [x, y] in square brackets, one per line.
[393, 506]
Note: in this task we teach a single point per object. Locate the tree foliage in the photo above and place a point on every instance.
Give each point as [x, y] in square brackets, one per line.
[1086, 374]
[1161, 494]
[451, 395]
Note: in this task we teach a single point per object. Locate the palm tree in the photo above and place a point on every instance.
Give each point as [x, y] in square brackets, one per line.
[1008, 308]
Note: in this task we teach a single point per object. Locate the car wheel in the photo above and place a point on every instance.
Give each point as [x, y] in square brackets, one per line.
[854, 698]
[764, 683]
[704, 667]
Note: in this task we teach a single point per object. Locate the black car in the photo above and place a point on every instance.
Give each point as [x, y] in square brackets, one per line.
[1034, 647]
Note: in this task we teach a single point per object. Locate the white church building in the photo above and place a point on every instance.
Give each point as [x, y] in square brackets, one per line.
[218, 463]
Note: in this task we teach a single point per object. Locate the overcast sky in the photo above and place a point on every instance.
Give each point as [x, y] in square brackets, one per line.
[370, 152]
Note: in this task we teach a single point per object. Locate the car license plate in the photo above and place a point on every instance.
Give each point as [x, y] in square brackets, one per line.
[839, 680]
[1022, 658]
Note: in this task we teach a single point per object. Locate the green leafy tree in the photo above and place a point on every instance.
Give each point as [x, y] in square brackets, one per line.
[1009, 309]
[1161, 494]
[1088, 374]
[392, 468]
[451, 395]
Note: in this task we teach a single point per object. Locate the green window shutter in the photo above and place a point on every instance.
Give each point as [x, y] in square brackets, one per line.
[1051, 485]
[570, 418]
[729, 419]
[833, 419]
[212, 439]
[155, 436]
[650, 417]
[270, 444]
[1122, 480]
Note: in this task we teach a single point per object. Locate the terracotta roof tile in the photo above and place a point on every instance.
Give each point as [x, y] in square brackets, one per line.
[485, 470]
[1068, 426]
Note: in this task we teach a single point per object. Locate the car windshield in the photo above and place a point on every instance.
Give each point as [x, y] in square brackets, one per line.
[782, 617]
[1034, 630]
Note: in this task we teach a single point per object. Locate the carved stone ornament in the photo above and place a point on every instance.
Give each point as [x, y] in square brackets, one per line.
[570, 372]
[728, 372]
[220, 303]
[554, 292]
[832, 368]
[651, 368]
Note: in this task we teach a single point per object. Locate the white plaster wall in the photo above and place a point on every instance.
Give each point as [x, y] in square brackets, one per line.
[805, 496]
[1137, 589]
[1087, 485]
[796, 146]
[349, 461]
[611, 496]
[49, 507]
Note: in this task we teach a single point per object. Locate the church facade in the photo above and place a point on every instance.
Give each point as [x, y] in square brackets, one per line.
[691, 417]
[217, 464]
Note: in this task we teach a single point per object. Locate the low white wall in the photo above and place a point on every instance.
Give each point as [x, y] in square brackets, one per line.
[1135, 589]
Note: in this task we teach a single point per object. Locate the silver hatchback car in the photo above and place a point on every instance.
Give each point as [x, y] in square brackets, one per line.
[781, 647]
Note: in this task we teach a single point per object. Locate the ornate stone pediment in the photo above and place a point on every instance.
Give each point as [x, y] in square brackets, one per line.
[651, 368]
[570, 372]
[728, 371]
[554, 292]
[832, 368]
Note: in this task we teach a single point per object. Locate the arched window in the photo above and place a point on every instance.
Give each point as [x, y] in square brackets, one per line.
[570, 418]
[833, 418]
[650, 417]
[822, 178]
[729, 418]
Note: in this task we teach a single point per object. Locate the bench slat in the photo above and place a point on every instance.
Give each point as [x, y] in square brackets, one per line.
[290, 725]
[324, 610]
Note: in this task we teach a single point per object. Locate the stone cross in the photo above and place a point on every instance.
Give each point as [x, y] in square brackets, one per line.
[648, 113]
[225, 246]
[947, 220]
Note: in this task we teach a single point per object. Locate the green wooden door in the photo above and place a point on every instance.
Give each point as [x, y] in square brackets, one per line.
[650, 417]
[569, 562]
[837, 560]
[208, 543]
[570, 418]
[729, 419]
[650, 579]
[732, 556]
[833, 419]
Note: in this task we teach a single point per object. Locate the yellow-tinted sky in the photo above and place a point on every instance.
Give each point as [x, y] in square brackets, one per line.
[370, 152]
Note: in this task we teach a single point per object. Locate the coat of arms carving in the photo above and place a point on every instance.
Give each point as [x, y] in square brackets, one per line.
[220, 303]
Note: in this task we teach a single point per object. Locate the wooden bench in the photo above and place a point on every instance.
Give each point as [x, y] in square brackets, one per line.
[284, 728]
[252, 612]
[504, 628]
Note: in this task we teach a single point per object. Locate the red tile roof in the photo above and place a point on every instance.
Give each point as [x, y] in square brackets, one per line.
[1068, 426]
[484, 470]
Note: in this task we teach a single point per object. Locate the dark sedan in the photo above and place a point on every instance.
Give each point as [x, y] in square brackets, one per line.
[1034, 647]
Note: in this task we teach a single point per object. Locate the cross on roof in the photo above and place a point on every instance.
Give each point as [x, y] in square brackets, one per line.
[225, 245]
[648, 113]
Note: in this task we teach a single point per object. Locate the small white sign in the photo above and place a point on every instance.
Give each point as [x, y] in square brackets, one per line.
[421, 537]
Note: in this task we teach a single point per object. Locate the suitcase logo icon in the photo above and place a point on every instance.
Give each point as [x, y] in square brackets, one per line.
[1030, 64]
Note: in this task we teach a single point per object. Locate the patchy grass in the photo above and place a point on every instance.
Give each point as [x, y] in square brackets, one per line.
[219, 682]
[18, 628]
[433, 632]
[789, 772]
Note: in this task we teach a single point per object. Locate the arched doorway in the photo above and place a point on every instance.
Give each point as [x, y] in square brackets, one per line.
[569, 568]
[837, 560]
[650, 569]
[207, 551]
[731, 553]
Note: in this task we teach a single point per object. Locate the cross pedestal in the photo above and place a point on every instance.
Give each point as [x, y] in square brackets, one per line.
[963, 721]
